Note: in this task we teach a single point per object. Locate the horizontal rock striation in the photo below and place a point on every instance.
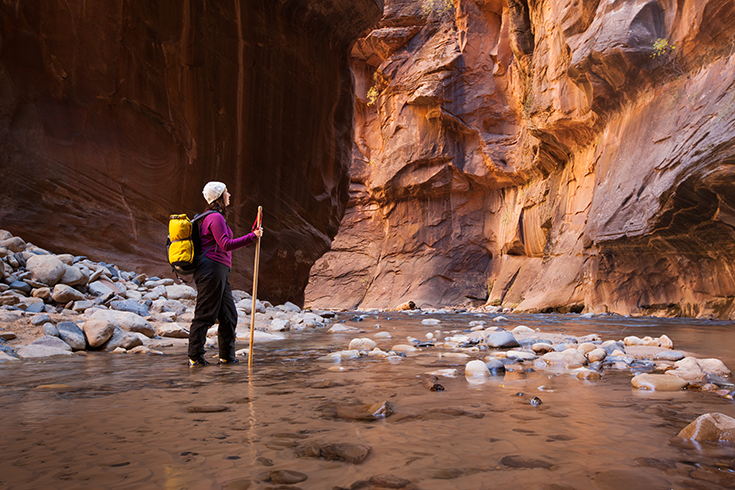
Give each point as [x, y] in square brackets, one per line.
[543, 156]
[114, 115]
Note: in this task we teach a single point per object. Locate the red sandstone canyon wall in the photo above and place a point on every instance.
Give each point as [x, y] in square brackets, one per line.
[544, 155]
[114, 114]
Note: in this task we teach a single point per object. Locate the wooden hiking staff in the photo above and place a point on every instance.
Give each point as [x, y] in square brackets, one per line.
[258, 220]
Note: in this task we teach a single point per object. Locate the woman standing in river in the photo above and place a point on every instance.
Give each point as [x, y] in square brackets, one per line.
[214, 295]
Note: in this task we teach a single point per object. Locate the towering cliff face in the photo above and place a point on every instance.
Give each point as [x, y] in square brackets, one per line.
[548, 155]
[114, 114]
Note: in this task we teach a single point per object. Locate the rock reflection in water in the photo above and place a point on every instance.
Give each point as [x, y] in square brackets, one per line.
[106, 421]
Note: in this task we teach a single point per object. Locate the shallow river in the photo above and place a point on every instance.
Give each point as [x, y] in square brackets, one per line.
[127, 421]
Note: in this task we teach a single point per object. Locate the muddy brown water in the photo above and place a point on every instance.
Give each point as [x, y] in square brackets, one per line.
[130, 422]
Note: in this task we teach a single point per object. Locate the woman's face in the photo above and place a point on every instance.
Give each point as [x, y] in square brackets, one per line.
[226, 195]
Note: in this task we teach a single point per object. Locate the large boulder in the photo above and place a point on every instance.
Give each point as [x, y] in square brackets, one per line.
[501, 340]
[46, 269]
[710, 427]
[180, 291]
[125, 320]
[63, 294]
[74, 276]
[658, 382]
[45, 346]
[98, 331]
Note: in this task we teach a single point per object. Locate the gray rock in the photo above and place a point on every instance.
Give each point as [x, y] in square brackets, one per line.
[21, 286]
[63, 294]
[39, 319]
[98, 331]
[72, 335]
[82, 305]
[125, 320]
[37, 307]
[14, 244]
[50, 329]
[130, 305]
[180, 291]
[495, 366]
[121, 338]
[501, 340]
[612, 347]
[98, 288]
[74, 276]
[670, 355]
[9, 316]
[613, 359]
[173, 330]
[49, 341]
[6, 357]
[47, 269]
[34, 351]
[164, 305]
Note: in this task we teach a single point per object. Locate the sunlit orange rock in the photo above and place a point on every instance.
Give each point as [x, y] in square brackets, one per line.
[710, 427]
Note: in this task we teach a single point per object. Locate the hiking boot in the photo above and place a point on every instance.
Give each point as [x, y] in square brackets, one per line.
[228, 361]
[198, 362]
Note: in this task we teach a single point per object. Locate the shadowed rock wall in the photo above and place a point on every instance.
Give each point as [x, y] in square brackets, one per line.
[114, 114]
[546, 155]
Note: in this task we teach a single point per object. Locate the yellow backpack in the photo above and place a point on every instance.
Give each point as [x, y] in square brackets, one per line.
[183, 246]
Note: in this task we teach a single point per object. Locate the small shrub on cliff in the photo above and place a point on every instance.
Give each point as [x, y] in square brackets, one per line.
[437, 6]
[666, 53]
[372, 96]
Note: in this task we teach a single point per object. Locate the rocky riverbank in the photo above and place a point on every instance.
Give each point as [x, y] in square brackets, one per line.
[59, 305]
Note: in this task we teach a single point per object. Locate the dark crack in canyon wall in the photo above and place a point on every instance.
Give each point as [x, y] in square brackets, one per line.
[114, 114]
[543, 155]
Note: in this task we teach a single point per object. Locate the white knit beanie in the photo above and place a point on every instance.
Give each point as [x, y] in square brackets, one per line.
[213, 190]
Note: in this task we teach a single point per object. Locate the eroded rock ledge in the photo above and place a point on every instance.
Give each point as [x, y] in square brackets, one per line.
[115, 114]
[542, 156]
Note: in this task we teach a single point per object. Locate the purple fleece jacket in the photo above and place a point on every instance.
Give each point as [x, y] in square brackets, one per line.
[216, 238]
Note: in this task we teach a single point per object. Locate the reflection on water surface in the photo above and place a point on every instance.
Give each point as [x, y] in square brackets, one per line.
[126, 421]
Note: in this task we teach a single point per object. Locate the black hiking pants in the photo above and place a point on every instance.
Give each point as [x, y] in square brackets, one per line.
[214, 303]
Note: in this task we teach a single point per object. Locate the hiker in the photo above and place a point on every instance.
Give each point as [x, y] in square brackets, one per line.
[214, 295]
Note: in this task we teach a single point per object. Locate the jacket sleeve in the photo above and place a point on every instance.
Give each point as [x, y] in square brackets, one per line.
[218, 228]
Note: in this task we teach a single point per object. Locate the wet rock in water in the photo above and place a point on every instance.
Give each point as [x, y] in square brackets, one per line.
[408, 305]
[131, 306]
[710, 427]
[208, 409]
[342, 328]
[527, 463]
[125, 320]
[432, 383]
[63, 294]
[713, 366]
[70, 333]
[665, 342]
[523, 356]
[718, 381]
[388, 481]
[495, 366]
[430, 321]
[690, 369]
[658, 382]
[365, 412]
[535, 401]
[382, 335]
[611, 346]
[264, 461]
[121, 339]
[351, 453]
[596, 354]
[47, 269]
[501, 340]
[285, 477]
[542, 347]
[98, 331]
[588, 374]
[363, 344]
[569, 357]
[173, 330]
[669, 355]
[4, 357]
[403, 348]
[50, 329]
[476, 369]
